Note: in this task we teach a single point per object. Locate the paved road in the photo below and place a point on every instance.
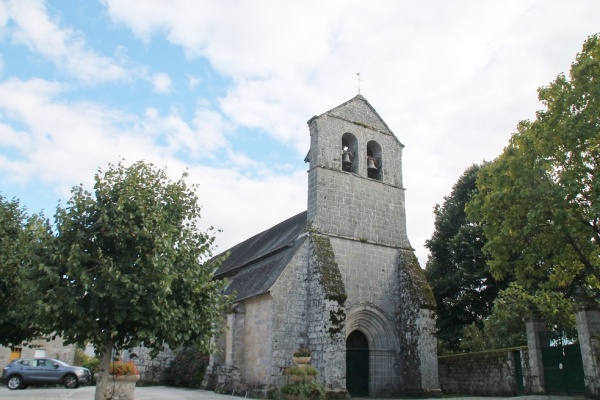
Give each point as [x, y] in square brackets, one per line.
[169, 393]
[87, 393]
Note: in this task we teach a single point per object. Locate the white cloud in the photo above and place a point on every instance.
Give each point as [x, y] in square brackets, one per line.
[64, 143]
[3, 18]
[162, 83]
[243, 207]
[198, 139]
[193, 81]
[451, 79]
[64, 47]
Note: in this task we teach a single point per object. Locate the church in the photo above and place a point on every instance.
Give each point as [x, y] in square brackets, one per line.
[340, 278]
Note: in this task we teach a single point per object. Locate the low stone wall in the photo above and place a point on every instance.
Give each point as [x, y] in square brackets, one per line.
[489, 373]
[151, 369]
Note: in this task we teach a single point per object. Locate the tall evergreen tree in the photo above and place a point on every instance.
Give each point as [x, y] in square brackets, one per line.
[456, 269]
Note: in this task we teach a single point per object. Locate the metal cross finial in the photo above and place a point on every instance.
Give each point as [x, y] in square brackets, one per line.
[358, 81]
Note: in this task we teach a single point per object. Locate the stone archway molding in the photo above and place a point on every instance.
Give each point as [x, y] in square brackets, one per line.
[373, 323]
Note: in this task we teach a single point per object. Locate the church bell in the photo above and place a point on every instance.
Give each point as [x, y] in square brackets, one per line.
[371, 164]
[346, 162]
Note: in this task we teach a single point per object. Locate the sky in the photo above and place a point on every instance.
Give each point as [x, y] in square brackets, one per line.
[223, 90]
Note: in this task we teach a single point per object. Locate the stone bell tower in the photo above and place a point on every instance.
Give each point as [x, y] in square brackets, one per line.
[356, 212]
[355, 176]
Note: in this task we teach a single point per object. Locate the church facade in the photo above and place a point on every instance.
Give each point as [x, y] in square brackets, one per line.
[340, 279]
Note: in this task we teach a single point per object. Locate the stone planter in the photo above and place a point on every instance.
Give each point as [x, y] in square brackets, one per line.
[122, 387]
[301, 362]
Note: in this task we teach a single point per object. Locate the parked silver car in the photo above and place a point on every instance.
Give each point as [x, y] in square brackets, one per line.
[22, 372]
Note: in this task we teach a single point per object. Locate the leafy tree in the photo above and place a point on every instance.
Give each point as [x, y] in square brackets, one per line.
[539, 201]
[505, 326]
[456, 269]
[22, 238]
[127, 266]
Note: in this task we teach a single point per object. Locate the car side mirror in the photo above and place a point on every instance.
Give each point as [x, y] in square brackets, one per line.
[56, 366]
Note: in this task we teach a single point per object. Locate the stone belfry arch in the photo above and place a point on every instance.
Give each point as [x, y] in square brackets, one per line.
[360, 200]
[356, 201]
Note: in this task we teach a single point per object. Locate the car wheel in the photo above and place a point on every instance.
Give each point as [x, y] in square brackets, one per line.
[70, 382]
[23, 386]
[14, 382]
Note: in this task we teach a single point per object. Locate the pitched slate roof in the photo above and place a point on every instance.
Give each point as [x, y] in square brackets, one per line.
[254, 265]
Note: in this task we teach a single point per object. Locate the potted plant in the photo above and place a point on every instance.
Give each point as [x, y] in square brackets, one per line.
[123, 377]
[301, 374]
[304, 391]
[301, 356]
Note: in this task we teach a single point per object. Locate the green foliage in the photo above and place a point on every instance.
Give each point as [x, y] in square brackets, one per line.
[91, 363]
[187, 368]
[303, 385]
[130, 267]
[305, 390]
[505, 327]
[540, 201]
[457, 271]
[307, 370]
[22, 241]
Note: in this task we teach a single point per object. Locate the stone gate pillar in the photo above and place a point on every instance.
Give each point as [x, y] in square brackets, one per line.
[534, 325]
[588, 330]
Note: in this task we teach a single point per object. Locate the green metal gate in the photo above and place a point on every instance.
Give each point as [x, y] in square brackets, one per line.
[563, 367]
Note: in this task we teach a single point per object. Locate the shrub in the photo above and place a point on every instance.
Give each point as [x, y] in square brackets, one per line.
[123, 368]
[187, 369]
[305, 390]
[91, 363]
[307, 370]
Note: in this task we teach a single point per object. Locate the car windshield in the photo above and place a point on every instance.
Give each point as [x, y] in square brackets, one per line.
[62, 363]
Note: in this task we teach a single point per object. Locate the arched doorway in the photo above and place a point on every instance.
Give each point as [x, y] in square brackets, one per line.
[357, 364]
[382, 366]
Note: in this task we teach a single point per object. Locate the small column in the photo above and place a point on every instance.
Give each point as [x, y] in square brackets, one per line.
[588, 330]
[534, 325]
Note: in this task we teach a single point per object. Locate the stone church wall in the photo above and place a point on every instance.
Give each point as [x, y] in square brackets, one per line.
[368, 272]
[327, 316]
[361, 208]
[289, 313]
[416, 317]
[257, 352]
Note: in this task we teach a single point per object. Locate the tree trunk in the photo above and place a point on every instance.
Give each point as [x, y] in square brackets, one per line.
[102, 380]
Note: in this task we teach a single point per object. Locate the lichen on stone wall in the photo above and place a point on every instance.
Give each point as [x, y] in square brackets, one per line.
[330, 279]
[330, 276]
[417, 283]
[337, 319]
